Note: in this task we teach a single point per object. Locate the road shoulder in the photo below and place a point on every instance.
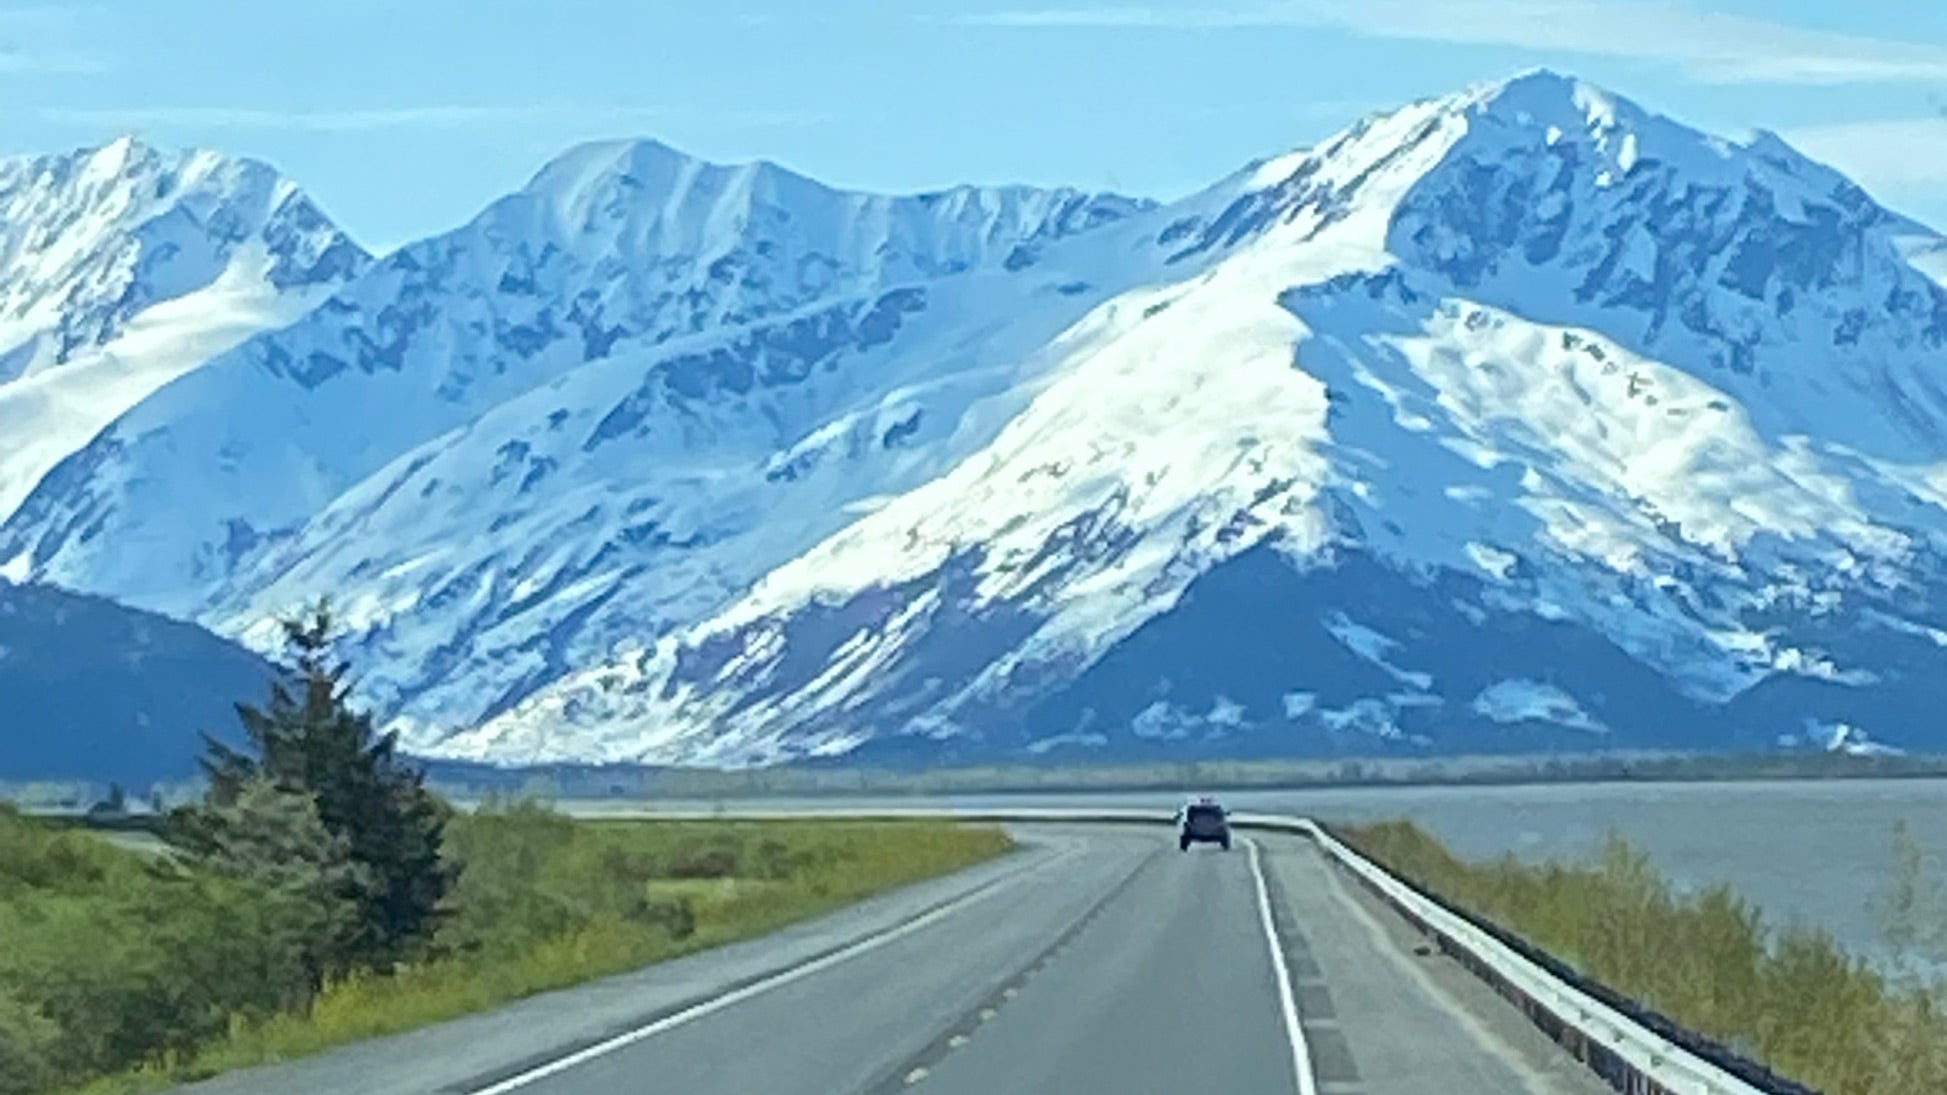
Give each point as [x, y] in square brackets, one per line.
[1385, 1012]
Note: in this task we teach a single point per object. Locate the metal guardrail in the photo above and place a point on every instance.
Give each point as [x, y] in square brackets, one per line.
[1633, 1049]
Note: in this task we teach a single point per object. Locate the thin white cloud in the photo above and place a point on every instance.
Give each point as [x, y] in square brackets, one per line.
[409, 117]
[1713, 47]
[1889, 153]
[1130, 18]
[322, 121]
[40, 26]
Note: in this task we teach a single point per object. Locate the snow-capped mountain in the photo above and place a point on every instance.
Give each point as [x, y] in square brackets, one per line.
[101, 692]
[123, 267]
[612, 250]
[1518, 417]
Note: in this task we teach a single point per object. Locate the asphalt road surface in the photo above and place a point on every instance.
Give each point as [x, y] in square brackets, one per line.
[1097, 960]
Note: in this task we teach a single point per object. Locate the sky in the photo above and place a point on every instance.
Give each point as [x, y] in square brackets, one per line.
[404, 118]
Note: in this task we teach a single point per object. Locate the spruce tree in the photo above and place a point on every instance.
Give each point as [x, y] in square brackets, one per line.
[309, 740]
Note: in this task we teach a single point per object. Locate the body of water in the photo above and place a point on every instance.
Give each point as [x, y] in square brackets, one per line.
[1813, 851]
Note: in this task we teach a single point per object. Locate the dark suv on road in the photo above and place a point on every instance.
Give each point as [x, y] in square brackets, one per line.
[1203, 822]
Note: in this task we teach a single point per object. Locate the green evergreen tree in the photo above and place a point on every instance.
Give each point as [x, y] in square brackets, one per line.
[271, 835]
[310, 741]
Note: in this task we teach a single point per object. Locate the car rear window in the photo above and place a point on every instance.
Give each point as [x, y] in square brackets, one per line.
[1206, 813]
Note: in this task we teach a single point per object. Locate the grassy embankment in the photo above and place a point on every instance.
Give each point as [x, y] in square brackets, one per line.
[120, 973]
[1789, 997]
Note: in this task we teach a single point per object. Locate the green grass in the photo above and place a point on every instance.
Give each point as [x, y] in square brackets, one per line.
[544, 903]
[1789, 997]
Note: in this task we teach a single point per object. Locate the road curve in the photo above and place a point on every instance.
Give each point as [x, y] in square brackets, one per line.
[1097, 960]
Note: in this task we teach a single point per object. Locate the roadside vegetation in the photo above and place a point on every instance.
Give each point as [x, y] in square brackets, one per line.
[318, 893]
[1789, 997]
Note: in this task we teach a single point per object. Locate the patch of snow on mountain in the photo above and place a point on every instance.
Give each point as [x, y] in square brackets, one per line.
[56, 411]
[1534, 701]
[1373, 647]
[1841, 737]
[1371, 717]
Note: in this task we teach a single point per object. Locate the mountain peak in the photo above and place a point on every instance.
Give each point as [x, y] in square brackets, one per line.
[1538, 87]
[649, 189]
[124, 149]
[651, 201]
[592, 162]
[197, 249]
[1559, 104]
[133, 173]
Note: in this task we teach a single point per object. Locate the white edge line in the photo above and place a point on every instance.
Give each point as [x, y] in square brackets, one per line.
[777, 980]
[1301, 1055]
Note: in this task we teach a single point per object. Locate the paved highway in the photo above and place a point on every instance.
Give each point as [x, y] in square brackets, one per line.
[1097, 960]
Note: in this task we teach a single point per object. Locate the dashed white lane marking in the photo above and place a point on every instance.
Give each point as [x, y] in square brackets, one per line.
[1301, 1057]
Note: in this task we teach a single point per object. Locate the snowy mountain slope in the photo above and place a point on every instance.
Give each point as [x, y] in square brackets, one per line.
[1514, 419]
[1522, 412]
[123, 267]
[638, 492]
[613, 249]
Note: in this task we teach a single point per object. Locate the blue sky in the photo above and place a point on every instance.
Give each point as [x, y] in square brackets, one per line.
[404, 117]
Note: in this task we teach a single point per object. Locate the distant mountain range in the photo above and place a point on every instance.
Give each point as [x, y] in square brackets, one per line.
[90, 690]
[1518, 419]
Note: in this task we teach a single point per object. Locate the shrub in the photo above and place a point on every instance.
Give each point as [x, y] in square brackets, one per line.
[1793, 999]
[126, 961]
[27, 1047]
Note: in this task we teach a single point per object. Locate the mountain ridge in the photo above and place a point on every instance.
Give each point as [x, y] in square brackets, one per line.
[123, 267]
[1535, 368]
[650, 689]
[523, 310]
